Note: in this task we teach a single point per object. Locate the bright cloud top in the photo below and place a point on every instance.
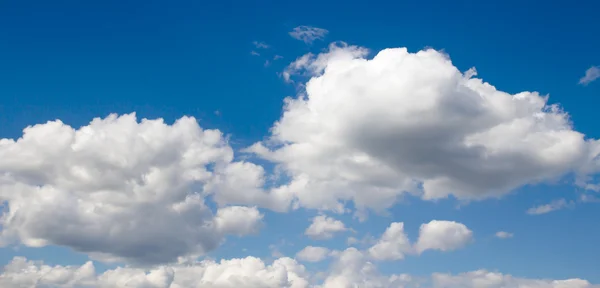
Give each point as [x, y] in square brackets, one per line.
[369, 130]
[118, 189]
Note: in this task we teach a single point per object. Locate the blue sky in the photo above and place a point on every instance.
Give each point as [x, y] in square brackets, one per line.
[78, 60]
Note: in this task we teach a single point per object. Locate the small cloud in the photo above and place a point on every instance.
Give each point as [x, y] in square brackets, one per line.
[504, 234]
[547, 208]
[267, 63]
[277, 57]
[217, 112]
[585, 198]
[323, 227]
[590, 75]
[351, 241]
[254, 53]
[308, 34]
[261, 45]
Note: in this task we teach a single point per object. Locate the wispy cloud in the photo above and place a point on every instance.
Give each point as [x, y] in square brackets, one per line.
[277, 57]
[552, 206]
[591, 75]
[504, 234]
[261, 45]
[308, 34]
[254, 53]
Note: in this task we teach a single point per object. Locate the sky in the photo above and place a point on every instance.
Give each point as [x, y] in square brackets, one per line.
[307, 144]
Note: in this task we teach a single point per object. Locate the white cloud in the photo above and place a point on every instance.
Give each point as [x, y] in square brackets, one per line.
[254, 53]
[118, 189]
[443, 236]
[308, 34]
[368, 131]
[250, 178]
[351, 268]
[590, 76]
[504, 235]
[323, 227]
[547, 208]
[238, 220]
[312, 254]
[486, 279]
[392, 245]
[245, 272]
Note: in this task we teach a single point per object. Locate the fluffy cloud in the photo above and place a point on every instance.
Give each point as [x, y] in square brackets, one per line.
[238, 220]
[590, 76]
[308, 34]
[392, 245]
[118, 188]
[312, 254]
[368, 130]
[351, 268]
[323, 227]
[443, 236]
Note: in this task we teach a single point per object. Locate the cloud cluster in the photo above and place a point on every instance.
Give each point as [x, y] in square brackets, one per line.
[246, 272]
[369, 130]
[436, 235]
[351, 268]
[118, 189]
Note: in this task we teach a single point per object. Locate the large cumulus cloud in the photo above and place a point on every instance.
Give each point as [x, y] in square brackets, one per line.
[368, 130]
[118, 189]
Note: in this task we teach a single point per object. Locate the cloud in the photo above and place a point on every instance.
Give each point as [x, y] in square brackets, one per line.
[504, 235]
[312, 254]
[370, 130]
[261, 45]
[238, 220]
[118, 189]
[226, 186]
[486, 279]
[308, 34]
[392, 245]
[590, 76]
[246, 272]
[443, 236]
[254, 53]
[350, 268]
[547, 208]
[323, 227]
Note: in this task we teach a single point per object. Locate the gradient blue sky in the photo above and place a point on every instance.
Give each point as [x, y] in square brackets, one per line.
[76, 60]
